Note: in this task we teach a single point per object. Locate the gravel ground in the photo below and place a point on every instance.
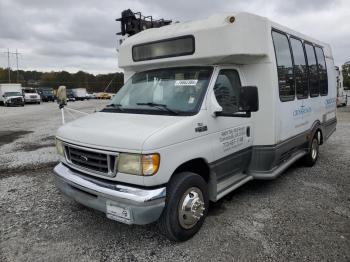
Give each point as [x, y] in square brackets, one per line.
[27, 134]
[304, 215]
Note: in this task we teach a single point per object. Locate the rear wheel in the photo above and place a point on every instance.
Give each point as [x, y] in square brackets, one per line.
[186, 206]
[311, 158]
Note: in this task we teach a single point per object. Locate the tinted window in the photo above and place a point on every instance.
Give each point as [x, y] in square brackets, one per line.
[165, 48]
[284, 67]
[322, 71]
[300, 69]
[226, 91]
[313, 74]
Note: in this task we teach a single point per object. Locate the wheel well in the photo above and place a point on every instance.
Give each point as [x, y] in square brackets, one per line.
[198, 166]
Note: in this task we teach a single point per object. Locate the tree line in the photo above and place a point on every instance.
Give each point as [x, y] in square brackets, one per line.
[53, 79]
[346, 76]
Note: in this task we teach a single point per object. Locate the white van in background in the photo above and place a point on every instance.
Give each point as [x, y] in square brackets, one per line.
[31, 95]
[80, 93]
[208, 106]
[342, 96]
[11, 95]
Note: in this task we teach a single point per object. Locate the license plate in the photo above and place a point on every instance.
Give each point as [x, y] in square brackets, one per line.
[117, 213]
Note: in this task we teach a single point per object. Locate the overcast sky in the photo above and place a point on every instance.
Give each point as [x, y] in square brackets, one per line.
[80, 35]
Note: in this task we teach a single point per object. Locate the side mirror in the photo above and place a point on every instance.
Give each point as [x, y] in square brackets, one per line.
[248, 99]
[3, 96]
[214, 106]
[61, 96]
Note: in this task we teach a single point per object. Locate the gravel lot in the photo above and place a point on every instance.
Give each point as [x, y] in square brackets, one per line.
[301, 216]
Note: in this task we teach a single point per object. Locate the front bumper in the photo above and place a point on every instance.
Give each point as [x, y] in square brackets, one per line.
[145, 205]
[13, 102]
[32, 100]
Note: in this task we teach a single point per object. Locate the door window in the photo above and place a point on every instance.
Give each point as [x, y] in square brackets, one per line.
[226, 89]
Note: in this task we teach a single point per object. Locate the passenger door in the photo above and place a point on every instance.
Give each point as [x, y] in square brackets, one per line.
[230, 133]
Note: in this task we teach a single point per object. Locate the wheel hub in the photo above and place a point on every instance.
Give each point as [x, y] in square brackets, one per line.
[191, 208]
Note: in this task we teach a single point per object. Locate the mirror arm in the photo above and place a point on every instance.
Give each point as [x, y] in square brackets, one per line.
[216, 109]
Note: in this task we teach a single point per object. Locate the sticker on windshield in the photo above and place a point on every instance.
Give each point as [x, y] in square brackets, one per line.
[188, 82]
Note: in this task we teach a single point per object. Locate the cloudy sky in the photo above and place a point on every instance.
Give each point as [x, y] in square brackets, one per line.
[80, 35]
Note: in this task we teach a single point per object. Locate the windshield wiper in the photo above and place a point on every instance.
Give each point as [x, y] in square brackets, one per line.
[162, 106]
[116, 106]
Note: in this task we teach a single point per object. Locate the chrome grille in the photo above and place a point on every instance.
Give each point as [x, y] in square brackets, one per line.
[16, 100]
[92, 161]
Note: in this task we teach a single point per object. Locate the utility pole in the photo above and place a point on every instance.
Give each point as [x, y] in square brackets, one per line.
[8, 64]
[17, 65]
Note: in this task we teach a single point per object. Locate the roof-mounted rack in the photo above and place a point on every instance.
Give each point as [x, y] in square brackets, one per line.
[132, 23]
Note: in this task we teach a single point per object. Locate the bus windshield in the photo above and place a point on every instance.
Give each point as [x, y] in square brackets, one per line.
[176, 91]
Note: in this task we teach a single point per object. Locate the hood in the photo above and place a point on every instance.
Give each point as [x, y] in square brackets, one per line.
[13, 97]
[115, 131]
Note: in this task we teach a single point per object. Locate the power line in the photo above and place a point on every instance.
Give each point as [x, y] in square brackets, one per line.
[8, 64]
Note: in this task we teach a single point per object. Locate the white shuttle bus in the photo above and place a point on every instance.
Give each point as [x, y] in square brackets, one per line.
[207, 106]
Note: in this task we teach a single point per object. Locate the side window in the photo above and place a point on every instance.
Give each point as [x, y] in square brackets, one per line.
[284, 66]
[313, 74]
[322, 71]
[300, 70]
[226, 91]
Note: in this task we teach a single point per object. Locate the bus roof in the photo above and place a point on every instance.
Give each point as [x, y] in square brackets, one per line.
[239, 38]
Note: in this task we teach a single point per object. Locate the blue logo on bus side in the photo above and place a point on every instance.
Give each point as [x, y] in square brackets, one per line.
[329, 102]
[302, 110]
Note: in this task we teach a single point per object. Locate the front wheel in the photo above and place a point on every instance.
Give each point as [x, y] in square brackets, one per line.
[313, 152]
[186, 206]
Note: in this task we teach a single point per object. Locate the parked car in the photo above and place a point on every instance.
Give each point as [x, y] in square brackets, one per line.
[103, 95]
[90, 96]
[11, 95]
[46, 94]
[70, 95]
[31, 95]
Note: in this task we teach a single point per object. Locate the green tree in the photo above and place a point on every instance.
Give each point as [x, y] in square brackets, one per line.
[346, 76]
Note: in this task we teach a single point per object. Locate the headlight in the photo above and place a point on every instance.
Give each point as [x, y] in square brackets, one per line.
[137, 164]
[59, 147]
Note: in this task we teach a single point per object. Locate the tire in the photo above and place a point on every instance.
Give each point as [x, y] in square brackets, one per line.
[312, 155]
[175, 223]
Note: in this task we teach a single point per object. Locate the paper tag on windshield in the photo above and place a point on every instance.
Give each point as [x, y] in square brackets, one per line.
[188, 82]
